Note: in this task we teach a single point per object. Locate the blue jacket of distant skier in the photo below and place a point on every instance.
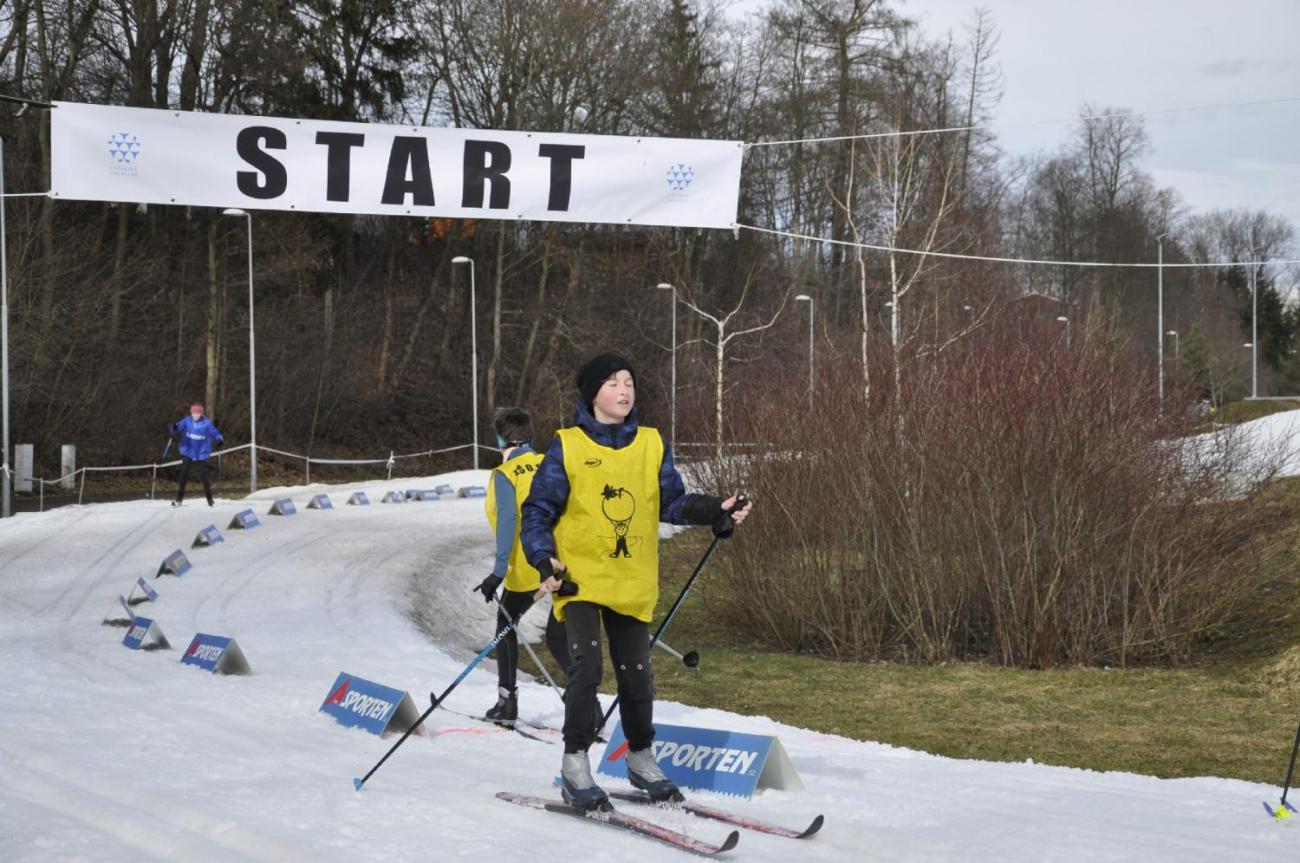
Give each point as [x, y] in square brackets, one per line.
[196, 437]
[550, 490]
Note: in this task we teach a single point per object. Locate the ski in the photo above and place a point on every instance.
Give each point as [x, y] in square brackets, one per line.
[521, 727]
[721, 815]
[631, 823]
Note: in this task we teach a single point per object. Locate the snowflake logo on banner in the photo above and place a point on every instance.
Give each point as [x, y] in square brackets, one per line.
[680, 176]
[123, 148]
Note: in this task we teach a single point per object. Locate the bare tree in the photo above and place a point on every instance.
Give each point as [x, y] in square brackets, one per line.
[723, 338]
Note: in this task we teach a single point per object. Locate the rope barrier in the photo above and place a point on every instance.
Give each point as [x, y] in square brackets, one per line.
[155, 466]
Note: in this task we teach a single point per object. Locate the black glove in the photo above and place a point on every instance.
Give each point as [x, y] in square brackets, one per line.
[488, 587]
[547, 571]
[724, 526]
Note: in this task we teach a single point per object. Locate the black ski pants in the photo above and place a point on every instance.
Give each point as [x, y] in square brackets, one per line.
[629, 651]
[516, 603]
[202, 467]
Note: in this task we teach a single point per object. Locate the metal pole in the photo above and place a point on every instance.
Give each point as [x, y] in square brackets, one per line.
[673, 396]
[473, 342]
[6, 496]
[1160, 312]
[811, 311]
[1254, 335]
[252, 367]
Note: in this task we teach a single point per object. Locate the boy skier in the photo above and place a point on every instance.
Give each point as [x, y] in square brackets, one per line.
[506, 493]
[197, 433]
[592, 516]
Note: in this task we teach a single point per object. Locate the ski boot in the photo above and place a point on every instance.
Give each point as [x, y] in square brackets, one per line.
[644, 773]
[577, 787]
[506, 710]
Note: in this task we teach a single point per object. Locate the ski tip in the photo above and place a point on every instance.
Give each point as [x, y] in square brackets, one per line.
[729, 842]
[357, 783]
[813, 827]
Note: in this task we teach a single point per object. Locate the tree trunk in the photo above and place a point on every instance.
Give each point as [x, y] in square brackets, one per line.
[497, 285]
[525, 361]
[116, 289]
[212, 342]
[721, 353]
[194, 56]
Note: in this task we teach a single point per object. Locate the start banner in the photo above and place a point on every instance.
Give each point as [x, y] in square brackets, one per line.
[152, 156]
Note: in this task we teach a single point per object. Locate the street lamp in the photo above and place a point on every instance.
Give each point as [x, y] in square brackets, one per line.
[804, 298]
[473, 342]
[1174, 333]
[1063, 319]
[1160, 315]
[672, 396]
[252, 354]
[1254, 331]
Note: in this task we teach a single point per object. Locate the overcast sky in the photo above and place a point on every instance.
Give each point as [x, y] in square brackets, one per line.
[1143, 55]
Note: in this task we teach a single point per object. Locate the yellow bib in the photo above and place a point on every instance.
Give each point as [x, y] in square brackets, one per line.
[520, 470]
[608, 534]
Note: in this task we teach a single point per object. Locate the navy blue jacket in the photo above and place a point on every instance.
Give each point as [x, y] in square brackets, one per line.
[196, 437]
[550, 491]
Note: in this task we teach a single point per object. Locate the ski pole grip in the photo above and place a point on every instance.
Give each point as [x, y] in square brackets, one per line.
[740, 503]
[567, 588]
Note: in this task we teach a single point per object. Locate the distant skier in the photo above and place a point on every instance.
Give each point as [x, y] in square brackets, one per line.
[593, 515]
[510, 483]
[197, 433]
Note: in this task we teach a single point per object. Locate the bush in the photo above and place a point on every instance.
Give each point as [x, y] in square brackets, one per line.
[1018, 499]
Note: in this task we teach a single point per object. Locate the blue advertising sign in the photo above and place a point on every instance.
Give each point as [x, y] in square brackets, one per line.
[358, 498]
[471, 491]
[144, 634]
[245, 520]
[176, 564]
[360, 703]
[114, 618]
[150, 595]
[283, 506]
[208, 536]
[707, 759]
[393, 497]
[445, 488]
[427, 494]
[320, 501]
[216, 653]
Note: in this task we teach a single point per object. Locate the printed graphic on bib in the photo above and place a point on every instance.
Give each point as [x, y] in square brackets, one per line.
[618, 506]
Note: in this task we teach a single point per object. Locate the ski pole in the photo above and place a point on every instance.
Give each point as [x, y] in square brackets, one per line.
[531, 652]
[690, 660]
[681, 597]
[1286, 786]
[166, 449]
[567, 589]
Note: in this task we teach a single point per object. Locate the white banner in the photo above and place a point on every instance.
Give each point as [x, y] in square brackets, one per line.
[144, 155]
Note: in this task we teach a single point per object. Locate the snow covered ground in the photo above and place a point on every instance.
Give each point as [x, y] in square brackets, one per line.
[112, 754]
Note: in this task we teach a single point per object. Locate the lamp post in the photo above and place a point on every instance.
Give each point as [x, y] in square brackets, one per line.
[6, 487]
[1174, 333]
[473, 347]
[1063, 319]
[804, 298]
[1160, 315]
[252, 356]
[672, 395]
[1254, 332]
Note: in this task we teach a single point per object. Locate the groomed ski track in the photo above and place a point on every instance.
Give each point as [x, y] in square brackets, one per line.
[113, 754]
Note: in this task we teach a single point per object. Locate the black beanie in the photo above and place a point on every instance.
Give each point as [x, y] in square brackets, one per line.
[595, 370]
